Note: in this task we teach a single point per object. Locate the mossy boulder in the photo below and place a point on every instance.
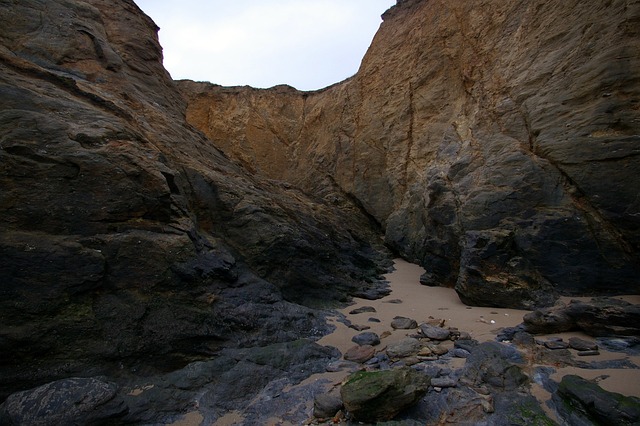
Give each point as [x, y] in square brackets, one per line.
[381, 395]
[579, 399]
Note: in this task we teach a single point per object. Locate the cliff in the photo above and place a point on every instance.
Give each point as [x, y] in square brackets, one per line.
[128, 240]
[495, 142]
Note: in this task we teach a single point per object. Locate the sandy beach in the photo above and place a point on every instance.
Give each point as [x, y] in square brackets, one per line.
[408, 298]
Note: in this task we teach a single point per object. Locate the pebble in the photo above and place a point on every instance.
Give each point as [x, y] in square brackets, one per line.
[588, 353]
[362, 310]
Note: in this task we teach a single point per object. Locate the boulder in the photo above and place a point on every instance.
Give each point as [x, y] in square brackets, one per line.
[381, 395]
[326, 405]
[496, 365]
[581, 401]
[67, 401]
[598, 317]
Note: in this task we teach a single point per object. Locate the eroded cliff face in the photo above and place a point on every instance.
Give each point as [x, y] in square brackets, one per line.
[497, 143]
[128, 241]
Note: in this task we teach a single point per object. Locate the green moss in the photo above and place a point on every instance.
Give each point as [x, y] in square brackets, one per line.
[531, 413]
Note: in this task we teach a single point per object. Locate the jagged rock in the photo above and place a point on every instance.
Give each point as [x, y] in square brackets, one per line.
[599, 317]
[67, 401]
[403, 323]
[367, 338]
[381, 395]
[583, 402]
[433, 332]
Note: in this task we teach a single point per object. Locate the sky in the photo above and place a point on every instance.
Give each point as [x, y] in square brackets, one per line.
[307, 44]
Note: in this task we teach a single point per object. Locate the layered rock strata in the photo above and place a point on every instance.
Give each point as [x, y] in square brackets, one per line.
[495, 142]
[128, 241]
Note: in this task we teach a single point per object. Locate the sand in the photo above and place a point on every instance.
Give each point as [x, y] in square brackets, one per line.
[408, 298]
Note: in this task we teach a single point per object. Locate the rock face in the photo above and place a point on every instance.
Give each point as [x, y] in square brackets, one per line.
[129, 242]
[495, 142]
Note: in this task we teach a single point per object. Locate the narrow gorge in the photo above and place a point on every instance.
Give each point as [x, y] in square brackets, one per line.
[168, 245]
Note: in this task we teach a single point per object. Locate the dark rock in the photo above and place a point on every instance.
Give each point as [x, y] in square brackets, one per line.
[359, 327]
[524, 339]
[583, 402]
[622, 344]
[461, 353]
[582, 345]
[466, 344]
[403, 323]
[393, 301]
[373, 319]
[433, 332]
[362, 310]
[556, 344]
[381, 395]
[443, 382]
[66, 401]
[359, 353]
[588, 352]
[404, 348]
[367, 338]
[326, 405]
[599, 317]
[495, 364]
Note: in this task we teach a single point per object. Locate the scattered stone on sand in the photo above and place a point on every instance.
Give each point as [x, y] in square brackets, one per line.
[395, 301]
[367, 338]
[434, 332]
[385, 333]
[381, 395]
[437, 322]
[403, 323]
[359, 353]
[359, 327]
[438, 349]
[588, 353]
[404, 348]
[362, 309]
[582, 345]
[372, 319]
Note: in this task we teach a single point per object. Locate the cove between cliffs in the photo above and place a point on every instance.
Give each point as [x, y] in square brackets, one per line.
[408, 298]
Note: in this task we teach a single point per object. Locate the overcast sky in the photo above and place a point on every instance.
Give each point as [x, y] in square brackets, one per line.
[308, 44]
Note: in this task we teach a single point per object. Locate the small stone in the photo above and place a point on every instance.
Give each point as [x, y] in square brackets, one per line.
[582, 345]
[326, 405]
[444, 382]
[366, 338]
[438, 349]
[555, 344]
[436, 322]
[362, 310]
[461, 353]
[425, 352]
[359, 327]
[403, 323]
[588, 353]
[428, 358]
[385, 333]
[434, 332]
[394, 301]
[373, 319]
[404, 348]
[360, 353]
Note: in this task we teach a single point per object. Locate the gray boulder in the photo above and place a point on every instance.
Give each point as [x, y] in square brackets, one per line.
[403, 323]
[404, 348]
[65, 402]
[435, 333]
[366, 338]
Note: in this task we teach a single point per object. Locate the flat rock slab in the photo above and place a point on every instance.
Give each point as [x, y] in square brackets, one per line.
[404, 348]
[582, 345]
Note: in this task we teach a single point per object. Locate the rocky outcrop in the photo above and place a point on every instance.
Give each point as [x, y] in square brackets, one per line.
[495, 142]
[129, 242]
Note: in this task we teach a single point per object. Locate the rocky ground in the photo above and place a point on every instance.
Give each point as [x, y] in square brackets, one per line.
[460, 365]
